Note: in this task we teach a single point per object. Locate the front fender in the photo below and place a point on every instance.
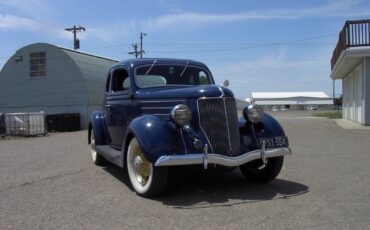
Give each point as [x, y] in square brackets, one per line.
[271, 127]
[155, 136]
[97, 122]
[250, 133]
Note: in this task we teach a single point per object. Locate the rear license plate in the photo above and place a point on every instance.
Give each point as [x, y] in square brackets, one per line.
[274, 142]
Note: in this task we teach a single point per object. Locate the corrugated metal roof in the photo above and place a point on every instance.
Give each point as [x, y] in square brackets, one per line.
[277, 95]
[94, 70]
[86, 54]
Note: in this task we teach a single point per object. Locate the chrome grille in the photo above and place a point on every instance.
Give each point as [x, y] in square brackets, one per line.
[219, 120]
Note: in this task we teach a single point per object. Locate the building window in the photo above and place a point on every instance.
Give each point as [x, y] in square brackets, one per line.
[38, 64]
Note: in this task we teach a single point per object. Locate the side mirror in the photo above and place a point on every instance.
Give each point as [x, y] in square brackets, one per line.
[226, 83]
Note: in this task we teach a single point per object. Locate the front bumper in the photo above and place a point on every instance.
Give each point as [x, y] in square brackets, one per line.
[211, 158]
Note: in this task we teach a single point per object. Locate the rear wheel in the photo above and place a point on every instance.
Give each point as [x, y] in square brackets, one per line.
[146, 179]
[257, 172]
[95, 156]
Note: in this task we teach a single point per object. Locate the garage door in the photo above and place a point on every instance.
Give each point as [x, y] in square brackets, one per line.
[350, 97]
[358, 94]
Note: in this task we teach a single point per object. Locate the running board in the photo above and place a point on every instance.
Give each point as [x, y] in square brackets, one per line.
[110, 154]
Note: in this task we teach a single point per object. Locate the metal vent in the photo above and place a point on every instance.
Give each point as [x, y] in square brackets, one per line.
[219, 120]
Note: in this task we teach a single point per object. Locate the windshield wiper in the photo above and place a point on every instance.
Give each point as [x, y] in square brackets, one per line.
[186, 66]
[147, 72]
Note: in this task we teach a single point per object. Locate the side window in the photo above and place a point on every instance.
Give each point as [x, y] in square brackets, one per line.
[203, 80]
[120, 80]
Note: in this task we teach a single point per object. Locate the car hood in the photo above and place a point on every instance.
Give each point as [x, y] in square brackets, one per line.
[184, 92]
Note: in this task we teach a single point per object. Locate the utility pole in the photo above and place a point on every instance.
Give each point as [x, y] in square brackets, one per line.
[141, 51]
[74, 30]
[135, 52]
[141, 44]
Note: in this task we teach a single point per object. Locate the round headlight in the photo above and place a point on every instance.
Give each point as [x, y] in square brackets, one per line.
[253, 113]
[181, 114]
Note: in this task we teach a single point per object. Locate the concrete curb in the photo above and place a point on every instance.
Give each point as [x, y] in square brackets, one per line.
[346, 124]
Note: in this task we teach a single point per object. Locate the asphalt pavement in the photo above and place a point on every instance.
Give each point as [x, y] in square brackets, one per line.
[51, 183]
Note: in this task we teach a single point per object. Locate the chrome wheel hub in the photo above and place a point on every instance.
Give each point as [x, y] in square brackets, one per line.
[138, 163]
[141, 167]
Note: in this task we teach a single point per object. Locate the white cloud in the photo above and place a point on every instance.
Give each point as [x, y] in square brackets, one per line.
[336, 8]
[190, 20]
[10, 22]
[116, 31]
[29, 7]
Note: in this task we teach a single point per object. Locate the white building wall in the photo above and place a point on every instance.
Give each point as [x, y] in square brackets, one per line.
[353, 67]
[294, 102]
[345, 99]
[366, 91]
[350, 96]
[353, 95]
[358, 94]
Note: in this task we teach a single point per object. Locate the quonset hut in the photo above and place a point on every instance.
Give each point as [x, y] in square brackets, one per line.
[56, 80]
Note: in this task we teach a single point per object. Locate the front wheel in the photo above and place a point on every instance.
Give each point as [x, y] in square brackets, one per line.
[257, 172]
[146, 179]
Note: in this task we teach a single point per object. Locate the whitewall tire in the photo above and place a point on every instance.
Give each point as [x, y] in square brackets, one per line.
[95, 156]
[146, 179]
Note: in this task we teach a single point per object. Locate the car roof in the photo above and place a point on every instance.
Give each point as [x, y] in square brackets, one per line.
[132, 63]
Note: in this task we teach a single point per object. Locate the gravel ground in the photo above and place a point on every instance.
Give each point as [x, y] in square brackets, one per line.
[51, 183]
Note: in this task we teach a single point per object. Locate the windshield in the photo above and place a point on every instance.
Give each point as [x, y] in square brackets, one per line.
[167, 75]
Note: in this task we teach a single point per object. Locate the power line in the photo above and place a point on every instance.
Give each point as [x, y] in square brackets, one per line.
[167, 44]
[217, 47]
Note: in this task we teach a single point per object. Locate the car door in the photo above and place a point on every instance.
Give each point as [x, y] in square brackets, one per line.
[118, 105]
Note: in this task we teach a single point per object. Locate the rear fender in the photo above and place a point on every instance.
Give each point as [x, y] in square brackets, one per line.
[97, 122]
[155, 137]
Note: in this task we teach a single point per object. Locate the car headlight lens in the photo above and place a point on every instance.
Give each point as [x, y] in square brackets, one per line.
[253, 113]
[181, 114]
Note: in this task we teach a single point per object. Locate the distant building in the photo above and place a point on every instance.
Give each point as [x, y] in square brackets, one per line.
[351, 64]
[56, 80]
[291, 100]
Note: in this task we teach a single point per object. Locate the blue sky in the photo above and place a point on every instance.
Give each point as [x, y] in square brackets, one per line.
[257, 45]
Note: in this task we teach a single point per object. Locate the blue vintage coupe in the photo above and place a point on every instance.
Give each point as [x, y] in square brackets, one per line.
[159, 113]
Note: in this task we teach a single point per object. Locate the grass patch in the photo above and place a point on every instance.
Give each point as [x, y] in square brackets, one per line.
[331, 115]
[12, 138]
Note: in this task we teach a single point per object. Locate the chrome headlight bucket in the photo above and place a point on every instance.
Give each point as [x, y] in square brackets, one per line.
[181, 114]
[253, 113]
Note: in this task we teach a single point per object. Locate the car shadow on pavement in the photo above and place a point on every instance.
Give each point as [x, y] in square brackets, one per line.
[193, 187]
[119, 173]
[205, 189]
